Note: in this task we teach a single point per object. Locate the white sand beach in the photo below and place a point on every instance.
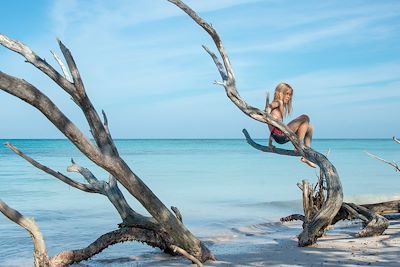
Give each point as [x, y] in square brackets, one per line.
[338, 248]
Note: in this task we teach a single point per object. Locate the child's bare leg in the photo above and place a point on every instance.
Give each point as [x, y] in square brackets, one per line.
[304, 132]
[299, 126]
[308, 136]
[307, 143]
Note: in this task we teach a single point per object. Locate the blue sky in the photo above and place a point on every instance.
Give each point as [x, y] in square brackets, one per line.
[142, 62]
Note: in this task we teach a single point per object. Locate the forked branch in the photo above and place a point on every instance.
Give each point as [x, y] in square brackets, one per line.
[334, 199]
[110, 190]
[229, 82]
[104, 154]
[66, 258]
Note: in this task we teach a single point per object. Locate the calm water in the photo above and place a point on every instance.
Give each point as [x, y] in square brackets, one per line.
[220, 186]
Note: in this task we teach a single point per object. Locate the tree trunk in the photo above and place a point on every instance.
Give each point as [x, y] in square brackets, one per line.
[104, 153]
[331, 206]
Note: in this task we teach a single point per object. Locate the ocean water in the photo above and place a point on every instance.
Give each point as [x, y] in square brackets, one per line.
[224, 189]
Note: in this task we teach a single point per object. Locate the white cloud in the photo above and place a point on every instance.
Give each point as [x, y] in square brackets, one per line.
[125, 13]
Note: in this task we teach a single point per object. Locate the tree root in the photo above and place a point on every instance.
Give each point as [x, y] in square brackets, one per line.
[373, 223]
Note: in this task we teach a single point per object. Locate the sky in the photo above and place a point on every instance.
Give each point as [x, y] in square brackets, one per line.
[142, 62]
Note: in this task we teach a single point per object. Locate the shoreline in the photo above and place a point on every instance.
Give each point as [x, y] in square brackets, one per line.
[338, 248]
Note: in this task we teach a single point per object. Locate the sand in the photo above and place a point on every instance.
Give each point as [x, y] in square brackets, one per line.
[266, 246]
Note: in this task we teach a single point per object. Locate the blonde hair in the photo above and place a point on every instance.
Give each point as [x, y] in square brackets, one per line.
[280, 91]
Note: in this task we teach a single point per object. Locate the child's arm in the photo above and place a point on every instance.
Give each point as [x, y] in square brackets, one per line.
[276, 104]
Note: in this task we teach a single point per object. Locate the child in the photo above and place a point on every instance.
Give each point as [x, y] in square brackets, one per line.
[280, 107]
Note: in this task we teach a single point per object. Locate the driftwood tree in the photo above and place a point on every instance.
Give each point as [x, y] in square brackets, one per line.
[375, 216]
[389, 209]
[163, 229]
[320, 208]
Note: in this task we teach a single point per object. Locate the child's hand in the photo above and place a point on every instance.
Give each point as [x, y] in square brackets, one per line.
[270, 143]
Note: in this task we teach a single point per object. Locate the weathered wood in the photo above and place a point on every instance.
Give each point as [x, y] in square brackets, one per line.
[375, 224]
[40, 256]
[270, 149]
[66, 258]
[307, 201]
[334, 198]
[187, 255]
[393, 163]
[104, 153]
[384, 207]
[177, 213]
[121, 235]
[293, 217]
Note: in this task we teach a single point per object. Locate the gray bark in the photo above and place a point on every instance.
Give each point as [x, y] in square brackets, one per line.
[373, 222]
[334, 199]
[40, 256]
[104, 153]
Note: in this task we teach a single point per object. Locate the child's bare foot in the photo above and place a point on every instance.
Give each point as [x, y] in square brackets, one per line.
[309, 163]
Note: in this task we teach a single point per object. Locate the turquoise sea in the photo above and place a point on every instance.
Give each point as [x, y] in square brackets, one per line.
[220, 186]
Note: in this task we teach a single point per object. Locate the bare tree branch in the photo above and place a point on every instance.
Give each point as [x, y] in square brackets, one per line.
[354, 213]
[79, 91]
[110, 190]
[375, 224]
[186, 255]
[31, 95]
[105, 154]
[61, 64]
[76, 89]
[393, 164]
[267, 108]
[293, 217]
[396, 140]
[229, 79]
[121, 235]
[332, 204]
[103, 139]
[40, 252]
[269, 149]
[219, 65]
[90, 188]
[383, 208]
[38, 62]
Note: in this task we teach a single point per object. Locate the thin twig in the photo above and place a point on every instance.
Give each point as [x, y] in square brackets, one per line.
[219, 65]
[267, 108]
[63, 68]
[84, 187]
[393, 164]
